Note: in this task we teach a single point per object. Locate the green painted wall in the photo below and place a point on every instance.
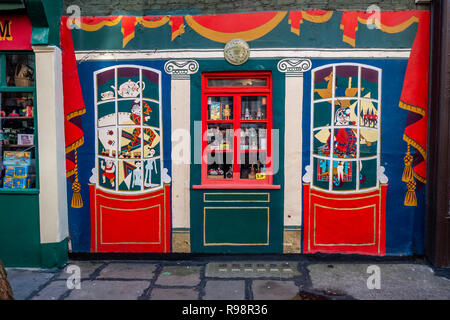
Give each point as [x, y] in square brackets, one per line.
[240, 219]
[19, 230]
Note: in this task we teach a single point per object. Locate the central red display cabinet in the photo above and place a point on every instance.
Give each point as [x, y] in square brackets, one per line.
[130, 189]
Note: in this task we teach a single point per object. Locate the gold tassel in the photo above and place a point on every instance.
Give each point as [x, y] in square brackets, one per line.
[407, 173]
[411, 199]
[408, 177]
[77, 201]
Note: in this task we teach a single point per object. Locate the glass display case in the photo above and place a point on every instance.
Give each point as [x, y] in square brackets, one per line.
[17, 122]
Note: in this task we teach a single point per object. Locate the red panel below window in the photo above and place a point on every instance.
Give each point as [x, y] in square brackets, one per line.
[130, 223]
[344, 223]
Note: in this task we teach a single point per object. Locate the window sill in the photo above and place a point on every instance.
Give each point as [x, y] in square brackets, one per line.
[18, 191]
[236, 186]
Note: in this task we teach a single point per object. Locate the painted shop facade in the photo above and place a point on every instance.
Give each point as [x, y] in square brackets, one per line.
[293, 132]
[33, 197]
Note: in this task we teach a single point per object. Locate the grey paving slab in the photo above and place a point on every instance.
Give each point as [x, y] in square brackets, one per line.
[179, 276]
[23, 282]
[252, 269]
[128, 271]
[173, 294]
[53, 291]
[397, 281]
[109, 290]
[274, 290]
[224, 290]
[86, 269]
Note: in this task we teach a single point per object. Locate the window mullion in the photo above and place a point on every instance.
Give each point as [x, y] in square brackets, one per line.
[2, 70]
[236, 141]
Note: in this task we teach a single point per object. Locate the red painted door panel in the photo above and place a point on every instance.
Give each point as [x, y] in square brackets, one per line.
[351, 223]
[130, 223]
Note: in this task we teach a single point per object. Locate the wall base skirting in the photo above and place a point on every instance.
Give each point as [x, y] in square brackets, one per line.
[181, 240]
[292, 240]
[55, 254]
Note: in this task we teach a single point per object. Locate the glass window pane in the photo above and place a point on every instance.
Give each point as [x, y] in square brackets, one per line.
[253, 108]
[253, 165]
[345, 112]
[369, 83]
[130, 175]
[322, 114]
[344, 175]
[219, 165]
[345, 143]
[220, 108]
[323, 83]
[253, 136]
[20, 70]
[368, 114]
[321, 142]
[152, 173]
[107, 173]
[368, 143]
[219, 136]
[346, 81]
[368, 174]
[17, 139]
[234, 82]
[130, 143]
[321, 173]
[107, 142]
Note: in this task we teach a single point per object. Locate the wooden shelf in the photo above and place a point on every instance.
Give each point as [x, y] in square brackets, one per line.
[18, 145]
[17, 118]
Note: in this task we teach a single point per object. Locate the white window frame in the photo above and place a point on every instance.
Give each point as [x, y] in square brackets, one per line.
[117, 128]
[332, 126]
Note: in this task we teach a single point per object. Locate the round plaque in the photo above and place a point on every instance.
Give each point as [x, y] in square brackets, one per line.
[236, 51]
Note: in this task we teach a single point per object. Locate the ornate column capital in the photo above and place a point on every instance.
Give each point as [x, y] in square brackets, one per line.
[294, 67]
[181, 69]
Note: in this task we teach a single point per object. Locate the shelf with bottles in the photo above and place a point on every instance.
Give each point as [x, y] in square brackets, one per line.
[253, 137]
[253, 108]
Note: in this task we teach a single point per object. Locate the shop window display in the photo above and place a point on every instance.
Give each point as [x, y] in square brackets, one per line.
[236, 126]
[17, 122]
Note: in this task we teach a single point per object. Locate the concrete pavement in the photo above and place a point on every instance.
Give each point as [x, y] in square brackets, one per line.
[222, 279]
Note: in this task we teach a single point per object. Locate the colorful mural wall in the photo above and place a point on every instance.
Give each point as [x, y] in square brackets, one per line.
[327, 151]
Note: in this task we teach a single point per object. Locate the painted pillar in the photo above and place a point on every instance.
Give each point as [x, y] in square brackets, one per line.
[180, 70]
[293, 68]
[52, 177]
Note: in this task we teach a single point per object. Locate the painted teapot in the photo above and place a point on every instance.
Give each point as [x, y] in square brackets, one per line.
[130, 89]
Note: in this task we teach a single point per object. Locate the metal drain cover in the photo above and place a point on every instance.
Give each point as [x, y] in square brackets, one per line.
[245, 269]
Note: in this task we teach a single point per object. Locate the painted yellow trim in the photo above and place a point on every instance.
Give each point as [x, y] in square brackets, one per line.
[317, 19]
[75, 145]
[224, 37]
[235, 193]
[153, 24]
[347, 244]
[75, 114]
[411, 108]
[392, 29]
[98, 26]
[130, 210]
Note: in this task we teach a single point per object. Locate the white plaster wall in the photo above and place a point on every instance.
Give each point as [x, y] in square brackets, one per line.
[52, 165]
